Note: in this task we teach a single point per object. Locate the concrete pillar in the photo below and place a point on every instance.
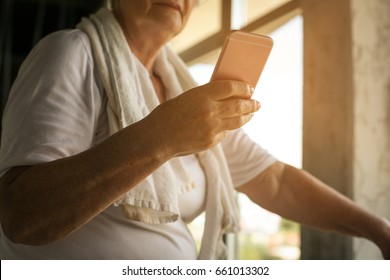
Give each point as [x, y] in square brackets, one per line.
[346, 123]
[327, 112]
[371, 80]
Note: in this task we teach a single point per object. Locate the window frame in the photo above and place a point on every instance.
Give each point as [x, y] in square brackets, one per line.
[264, 24]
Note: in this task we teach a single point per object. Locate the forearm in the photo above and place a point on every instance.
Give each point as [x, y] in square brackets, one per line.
[309, 201]
[44, 203]
[299, 196]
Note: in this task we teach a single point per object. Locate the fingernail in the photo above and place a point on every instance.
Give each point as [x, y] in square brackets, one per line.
[252, 90]
[258, 105]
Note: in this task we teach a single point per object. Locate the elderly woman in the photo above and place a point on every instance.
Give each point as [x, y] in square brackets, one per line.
[109, 149]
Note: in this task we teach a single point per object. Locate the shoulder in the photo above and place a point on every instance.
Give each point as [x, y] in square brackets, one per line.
[64, 44]
[61, 62]
[63, 55]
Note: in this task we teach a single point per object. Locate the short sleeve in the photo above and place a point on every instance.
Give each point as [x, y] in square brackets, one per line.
[246, 159]
[53, 107]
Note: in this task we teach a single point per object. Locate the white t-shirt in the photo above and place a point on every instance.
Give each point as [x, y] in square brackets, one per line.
[57, 108]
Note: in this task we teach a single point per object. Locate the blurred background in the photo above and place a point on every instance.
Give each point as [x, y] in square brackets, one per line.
[325, 95]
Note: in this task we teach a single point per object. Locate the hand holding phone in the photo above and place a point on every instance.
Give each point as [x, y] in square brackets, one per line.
[243, 57]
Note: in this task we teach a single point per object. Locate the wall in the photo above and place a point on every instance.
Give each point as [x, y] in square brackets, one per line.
[371, 81]
[327, 113]
[346, 122]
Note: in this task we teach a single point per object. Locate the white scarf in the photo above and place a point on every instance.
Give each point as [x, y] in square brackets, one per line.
[131, 97]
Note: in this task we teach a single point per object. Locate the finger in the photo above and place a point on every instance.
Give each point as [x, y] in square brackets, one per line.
[222, 135]
[228, 89]
[235, 122]
[237, 107]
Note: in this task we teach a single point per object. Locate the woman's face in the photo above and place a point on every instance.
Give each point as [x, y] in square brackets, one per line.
[167, 15]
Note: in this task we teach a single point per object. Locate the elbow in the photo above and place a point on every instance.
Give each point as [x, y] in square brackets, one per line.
[22, 235]
[11, 230]
[14, 219]
[12, 234]
[11, 225]
[20, 231]
[14, 230]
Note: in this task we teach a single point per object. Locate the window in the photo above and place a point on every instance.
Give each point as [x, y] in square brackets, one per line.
[278, 125]
[278, 128]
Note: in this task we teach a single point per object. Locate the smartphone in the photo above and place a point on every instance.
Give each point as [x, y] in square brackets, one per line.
[243, 57]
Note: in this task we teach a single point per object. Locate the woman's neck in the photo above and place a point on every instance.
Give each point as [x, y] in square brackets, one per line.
[145, 43]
